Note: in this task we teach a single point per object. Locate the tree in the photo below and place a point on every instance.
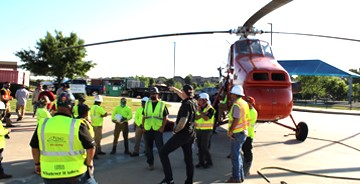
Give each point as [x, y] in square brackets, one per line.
[50, 60]
[170, 82]
[188, 79]
[144, 80]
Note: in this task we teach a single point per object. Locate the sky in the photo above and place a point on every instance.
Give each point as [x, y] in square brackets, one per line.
[23, 23]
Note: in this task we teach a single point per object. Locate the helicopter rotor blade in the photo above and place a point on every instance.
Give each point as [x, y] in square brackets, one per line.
[315, 35]
[148, 37]
[271, 6]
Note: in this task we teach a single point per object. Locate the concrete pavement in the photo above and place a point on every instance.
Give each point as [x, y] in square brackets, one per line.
[274, 146]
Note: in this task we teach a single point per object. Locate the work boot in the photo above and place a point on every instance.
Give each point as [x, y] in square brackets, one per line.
[246, 168]
[113, 151]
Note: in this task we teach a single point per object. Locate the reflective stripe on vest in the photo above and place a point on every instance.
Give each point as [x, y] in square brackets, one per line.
[202, 124]
[242, 124]
[61, 152]
[153, 118]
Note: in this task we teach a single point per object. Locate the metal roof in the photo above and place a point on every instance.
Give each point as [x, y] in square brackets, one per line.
[314, 68]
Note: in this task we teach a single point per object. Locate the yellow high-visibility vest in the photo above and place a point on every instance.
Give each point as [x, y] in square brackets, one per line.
[153, 118]
[243, 122]
[202, 124]
[253, 118]
[3, 132]
[61, 152]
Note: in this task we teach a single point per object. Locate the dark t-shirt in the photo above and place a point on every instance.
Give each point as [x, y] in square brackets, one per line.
[187, 110]
[86, 140]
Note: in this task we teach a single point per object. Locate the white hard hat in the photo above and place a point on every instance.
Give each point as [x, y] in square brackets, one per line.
[98, 98]
[205, 96]
[237, 90]
[118, 117]
[145, 99]
[2, 105]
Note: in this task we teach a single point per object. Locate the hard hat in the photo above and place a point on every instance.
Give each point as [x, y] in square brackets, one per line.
[2, 105]
[154, 90]
[145, 99]
[118, 117]
[98, 98]
[66, 99]
[237, 90]
[205, 96]
[250, 99]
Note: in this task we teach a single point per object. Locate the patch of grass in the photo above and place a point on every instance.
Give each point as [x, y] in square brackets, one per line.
[109, 103]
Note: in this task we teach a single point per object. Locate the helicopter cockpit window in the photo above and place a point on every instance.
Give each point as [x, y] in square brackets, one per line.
[242, 47]
[260, 77]
[267, 49]
[255, 47]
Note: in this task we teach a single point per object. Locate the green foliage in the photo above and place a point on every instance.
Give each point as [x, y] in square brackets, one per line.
[209, 84]
[48, 60]
[323, 87]
[188, 79]
[143, 79]
[178, 85]
[170, 82]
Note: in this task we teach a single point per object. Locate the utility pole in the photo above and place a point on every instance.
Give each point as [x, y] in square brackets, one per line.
[271, 30]
[174, 57]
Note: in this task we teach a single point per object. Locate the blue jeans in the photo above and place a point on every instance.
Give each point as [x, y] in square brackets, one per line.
[81, 179]
[236, 158]
[152, 136]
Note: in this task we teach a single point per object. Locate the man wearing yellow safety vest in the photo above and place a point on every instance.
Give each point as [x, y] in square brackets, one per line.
[138, 127]
[4, 134]
[204, 124]
[5, 97]
[97, 114]
[154, 119]
[237, 131]
[247, 146]
[62, 147]
[120, 116]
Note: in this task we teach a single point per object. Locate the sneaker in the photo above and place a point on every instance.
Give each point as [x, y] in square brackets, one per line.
[151, 167]
[4, 176]
[231, 180]
[101, 153]
[165, 182]
[133, 154]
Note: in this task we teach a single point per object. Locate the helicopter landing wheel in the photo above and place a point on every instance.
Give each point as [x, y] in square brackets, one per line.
[301, 131]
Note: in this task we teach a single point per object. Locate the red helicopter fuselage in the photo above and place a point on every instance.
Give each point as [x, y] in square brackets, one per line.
[252, 65]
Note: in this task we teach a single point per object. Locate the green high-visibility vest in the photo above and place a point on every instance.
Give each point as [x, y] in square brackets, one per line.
[61, 152]
[153, 118]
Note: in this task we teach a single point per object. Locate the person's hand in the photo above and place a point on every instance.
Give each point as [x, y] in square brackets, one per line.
[91, 171]
[37, 169]
[161, 129]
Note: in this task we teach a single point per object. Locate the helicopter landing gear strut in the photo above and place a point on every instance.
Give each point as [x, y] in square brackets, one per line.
[301, 129]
